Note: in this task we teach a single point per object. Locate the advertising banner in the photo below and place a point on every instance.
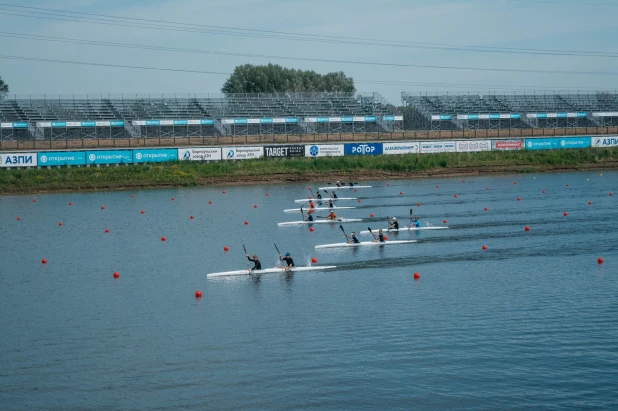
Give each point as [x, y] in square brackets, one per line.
[284, 151]
[557, 143]
[400, 148]
[109, 157]
[324, 150]
[371, 149]
[242, 153]
[155, 155]
[18, 159]
[437, 147]
[200, 153]
[62, 158]
[508, 145]
[18, 124]
[605, 141]
[473, 146]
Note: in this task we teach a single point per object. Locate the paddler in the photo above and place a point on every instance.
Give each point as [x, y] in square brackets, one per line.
[331, 216]
[338, 184]
[416, 222]
[333, 195]
[287, 261]
[394, 225]
[379, 237]
[256, 262]
[319, 196]
[309, 216]
[330, 204]
[353, 238]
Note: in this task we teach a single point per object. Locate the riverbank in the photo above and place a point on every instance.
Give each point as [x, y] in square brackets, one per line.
[193, 174]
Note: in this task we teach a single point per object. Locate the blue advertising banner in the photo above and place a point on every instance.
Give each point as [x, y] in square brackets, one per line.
[109, 157]
[155, 155]
[62, 158]
[557, 143]
[291, 120]
[362, 149]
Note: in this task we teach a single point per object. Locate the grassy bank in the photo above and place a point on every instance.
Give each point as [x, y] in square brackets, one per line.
[299, 169]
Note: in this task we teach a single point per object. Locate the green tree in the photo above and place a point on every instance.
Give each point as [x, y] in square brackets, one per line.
[4, 89]
[276, 79]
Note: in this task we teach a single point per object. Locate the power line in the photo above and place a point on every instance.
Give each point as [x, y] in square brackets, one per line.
[111, 20]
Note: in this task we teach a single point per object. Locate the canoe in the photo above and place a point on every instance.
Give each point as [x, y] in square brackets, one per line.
[365, 244]
[343, 187]
[384, 230]
[324, 200]
[339, 220]
[270, 271]
[292, 210]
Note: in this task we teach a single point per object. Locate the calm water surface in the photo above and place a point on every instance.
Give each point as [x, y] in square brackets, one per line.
[530, 323]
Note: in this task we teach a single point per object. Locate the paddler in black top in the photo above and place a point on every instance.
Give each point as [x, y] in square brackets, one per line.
[338, 184]
[395, 225]
[319, 196]
[333, 195]
[353, 238]
[287, 261]
[330, 204]
[256, 262]
[309, 216]
[380, 237]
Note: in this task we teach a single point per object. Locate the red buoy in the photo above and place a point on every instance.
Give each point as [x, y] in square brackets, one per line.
[514, 182]
[116, 274]
[309, 197]
[311, 229]
[70, 203]
[44, 261]
[246, 223]
[444, 221]
[223, 191]
[34, 201]
[611, 194]
[355, 190]
[527, 228]
[567, 185]
[401, 193]
[308, 188]
[254, 205]
[359, 201]
[163, 238]
[518, 198]
[314, 260]
[589, 202]
[102, 207]
[388, 184]
[226, 248]
[486, 208]
[173, 198]
[198, 294]
[267, 194]
[385, 238]
[417, 276]
[210, 202]
[371, 215]
[142, 211]
[486, 189]
[18, 218]
[543, 191]
[437, 186]
[484, 247]
[191, 217]
[565, 214]
[463, 181]
[132, 195]
[418, 204]
[107, 230]
[60, 224]
[455, 196]
[600, 260]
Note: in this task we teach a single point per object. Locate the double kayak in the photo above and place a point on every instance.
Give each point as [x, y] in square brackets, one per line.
[392, 230]
[365, 244]
[271, 271]
[339, 220]
[292, 210]
[323, 200]
[343, 187]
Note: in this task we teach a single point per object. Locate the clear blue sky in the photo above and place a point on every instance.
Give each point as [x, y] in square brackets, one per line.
[582, 25]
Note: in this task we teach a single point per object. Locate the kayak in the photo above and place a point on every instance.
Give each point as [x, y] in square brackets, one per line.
[343, 187]
[323, 200]
[384, 230]
[270, 271]
[291, 210]
[365, 243]
[339, 220]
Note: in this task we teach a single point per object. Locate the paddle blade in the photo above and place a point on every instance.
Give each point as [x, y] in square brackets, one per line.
[341, 227]
[411, 211]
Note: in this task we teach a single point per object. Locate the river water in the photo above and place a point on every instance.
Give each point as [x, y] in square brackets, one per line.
[532, 322]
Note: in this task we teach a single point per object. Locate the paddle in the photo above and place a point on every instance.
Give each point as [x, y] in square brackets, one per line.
[411, 212]
[301, 213]
[374, 236]
[346, 236]
[246, 254]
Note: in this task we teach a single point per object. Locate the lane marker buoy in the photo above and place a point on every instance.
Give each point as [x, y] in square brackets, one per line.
[600, 260]
[311, 229]
[198, 294]
[526, 228]
[565, 214]
[417, 276]
[116, 274]
[484, 247]
[226, 248]
[314, 260]
[371, 215]
[163, 239]
[18, 218]
[44, 261]
[107, 230]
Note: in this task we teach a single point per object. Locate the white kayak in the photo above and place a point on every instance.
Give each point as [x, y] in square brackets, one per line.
[343, 187]
[291, 210]
[271, 271]
[384, 230]
[324, 200]
[339, 220]
[365, 243]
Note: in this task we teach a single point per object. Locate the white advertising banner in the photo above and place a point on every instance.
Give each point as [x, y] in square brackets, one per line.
[253, 121]
[166, 122]
[473, 146]
[139, 122]
[606, 114]
[437, 146]
[324, 150]
[18, 159]
[605, 141]
[200, 153]
[400, 148]
[241, 153]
